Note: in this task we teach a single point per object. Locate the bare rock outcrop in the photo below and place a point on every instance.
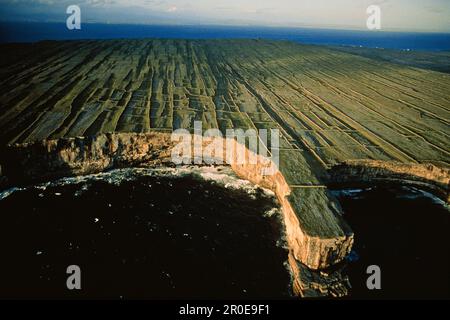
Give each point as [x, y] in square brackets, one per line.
[309, 283]
[369, 172]
[316, 233]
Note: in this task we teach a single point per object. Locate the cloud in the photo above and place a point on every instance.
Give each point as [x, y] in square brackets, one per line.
[397, 14]
[172, 9]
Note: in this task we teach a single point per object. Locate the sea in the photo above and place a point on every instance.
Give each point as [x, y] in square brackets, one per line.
[35, 31]
[402, 231]
[204, 233]
[144, 234]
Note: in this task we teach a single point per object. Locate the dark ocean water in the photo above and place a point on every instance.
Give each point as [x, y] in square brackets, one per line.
[404, 231]
[31, 32]
[143, 236]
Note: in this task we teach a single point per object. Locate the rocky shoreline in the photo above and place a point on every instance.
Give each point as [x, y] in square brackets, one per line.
[369, 172]
[312, 252]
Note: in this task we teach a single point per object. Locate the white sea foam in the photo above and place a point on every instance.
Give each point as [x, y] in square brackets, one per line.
[6, 193]
[219, 174]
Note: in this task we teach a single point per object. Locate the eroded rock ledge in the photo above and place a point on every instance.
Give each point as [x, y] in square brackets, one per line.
[317, 235]
[369, 172]
[315, 246]
[311, 246]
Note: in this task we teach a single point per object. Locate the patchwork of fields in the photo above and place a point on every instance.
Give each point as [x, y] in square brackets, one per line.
[329, 105]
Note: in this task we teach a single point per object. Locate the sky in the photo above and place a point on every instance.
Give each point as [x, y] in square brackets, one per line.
[400, 15]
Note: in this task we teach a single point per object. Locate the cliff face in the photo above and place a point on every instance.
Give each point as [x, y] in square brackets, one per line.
[309, 283]
[367, 172]
[49, 159]
[314, 244]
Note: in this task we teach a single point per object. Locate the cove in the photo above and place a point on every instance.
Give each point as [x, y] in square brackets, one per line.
[404, 231]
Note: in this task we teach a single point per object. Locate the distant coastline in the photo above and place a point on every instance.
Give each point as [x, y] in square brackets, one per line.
[38, 31]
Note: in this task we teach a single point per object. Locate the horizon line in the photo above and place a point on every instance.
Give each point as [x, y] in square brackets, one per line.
[322, 27]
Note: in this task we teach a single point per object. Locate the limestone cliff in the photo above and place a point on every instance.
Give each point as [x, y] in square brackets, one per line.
[313, 245]
[50, 159]
[369, 172]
